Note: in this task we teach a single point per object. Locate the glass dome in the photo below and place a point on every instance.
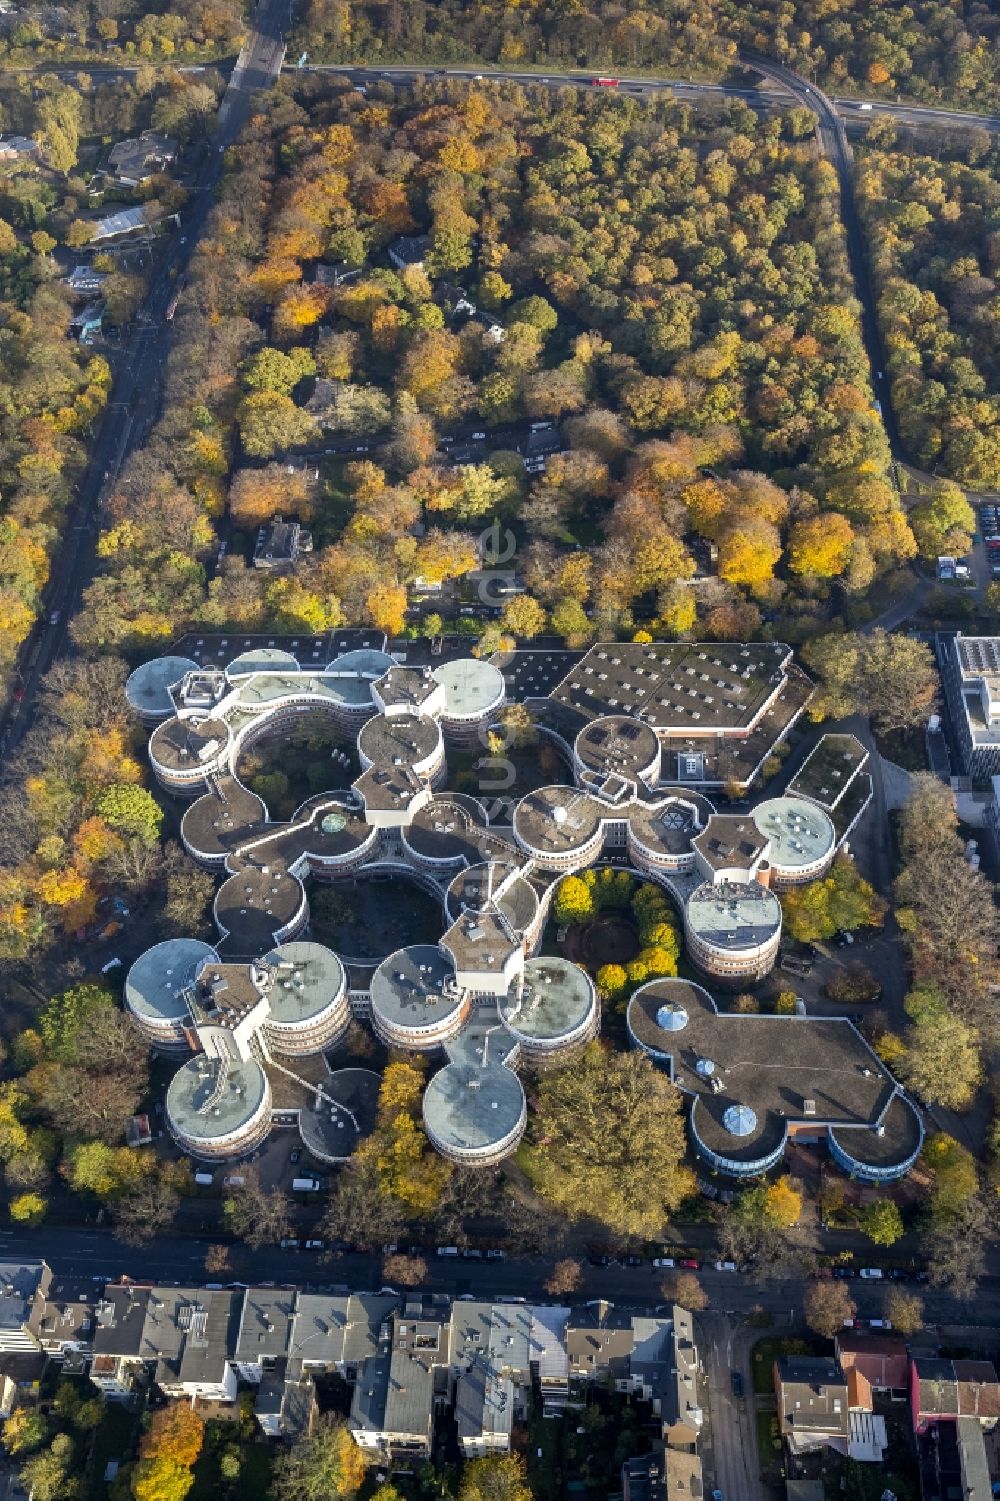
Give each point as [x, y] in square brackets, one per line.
[672, 1017]
[740, 1120]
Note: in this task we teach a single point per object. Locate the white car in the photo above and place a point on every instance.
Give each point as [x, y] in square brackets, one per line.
[664, 1261]
[871, 1273]
[725, 1266]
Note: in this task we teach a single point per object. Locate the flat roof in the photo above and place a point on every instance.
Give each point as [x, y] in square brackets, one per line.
[733, 914]
[307, 978]
[193, 1086]
[799, 832]
[470, 686]
[557, 818]
[618, 743]
[828, 768]
[773, 1065]
[156, 981]
[187, 744]
[730, 842]
[556, 998]
[148, 687]
[450, 827]
[470, 1107]
[493, 883]
[329, 1131]
[390, 740]
[407, 989]
[670, 824]
[263, 659]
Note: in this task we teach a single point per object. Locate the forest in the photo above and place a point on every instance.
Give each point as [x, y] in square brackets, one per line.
[670, 286]
[933, 222]
[117, 30]
[922, 49]
[53, 389]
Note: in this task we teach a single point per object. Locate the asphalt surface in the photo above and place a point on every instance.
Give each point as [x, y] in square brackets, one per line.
[136, 393]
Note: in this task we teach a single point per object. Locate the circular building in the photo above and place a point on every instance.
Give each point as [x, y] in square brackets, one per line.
[733, 930]
[446, 833]
[661, 834]
[415, 1001]
[552, 1011]
[659, 1016]
[155, 990]
[406, 739]
[474, 1114]
[307, 996]
[185, 753]
[560, 827]
[617, 745]
[258, 906]
[474, 695]
[801, 839]
[496, 885]
[148, 688]
[262, 659]
[731, 1137]
[216, 1112]
[346, 685]
[334, 1123]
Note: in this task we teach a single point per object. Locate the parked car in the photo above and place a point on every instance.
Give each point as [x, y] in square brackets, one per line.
[633, 1261]
[495, 1255]
[871, 1273]
[843, 1272]
[880, 1323]
[692, 1265]
[664, 1261]
[725, 1266]
[736, 1382]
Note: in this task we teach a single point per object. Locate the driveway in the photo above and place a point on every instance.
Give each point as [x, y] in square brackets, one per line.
[729, 1441]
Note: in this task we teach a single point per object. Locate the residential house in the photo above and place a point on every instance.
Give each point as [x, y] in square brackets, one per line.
[946, 1390]
[599, 1341]
[19, 149]
[84, 281]
[454, 301]
[663, 1369]
[644, 1477]
[126, 221]
[812, 1401]
[22, 1285]
[64, 1321]
[336, 273]
[135, 161]
[189, 1338]
[279, 544]
[118, 1366]
[20, 1377]
[953, 1462]
[400, 1389]
[880, 1359]
[549, 1357]
[491, 1373]
[410, 250]
[86, 323]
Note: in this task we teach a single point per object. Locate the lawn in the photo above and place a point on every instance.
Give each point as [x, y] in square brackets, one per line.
[768, 1438]
[115, 1438]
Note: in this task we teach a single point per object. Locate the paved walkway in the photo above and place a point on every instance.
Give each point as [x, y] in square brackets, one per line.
[898, 784]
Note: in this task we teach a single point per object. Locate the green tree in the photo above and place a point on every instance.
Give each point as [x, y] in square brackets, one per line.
[607, 1141]
[942, 1063]
[274, 370]
[326, 1466]
[131, 810]
[271, 423]
[882, 1222]
[65, 1016]
[502, 1477]
[891, 678]
[28, 1209]
[25, 1430]
[841, 901]
[48, 1476]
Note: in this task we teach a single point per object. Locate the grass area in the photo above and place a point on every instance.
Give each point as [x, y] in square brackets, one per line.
[234, 1460]
[581, 1452]
[766, 1351]
[768, 1438]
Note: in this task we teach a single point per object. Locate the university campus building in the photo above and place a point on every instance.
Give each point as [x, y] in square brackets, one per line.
[644, 730]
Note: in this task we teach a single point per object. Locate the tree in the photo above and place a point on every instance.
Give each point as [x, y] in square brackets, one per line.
[326, 1466]
[956, 1179]
[271, 423]
[821, 545]
[942, 1063]
[146, 1209]
[573, 902]
[904, 1310]
[275, 370]
[684, 1288]
[943, 522]
[955, 1249]
[891, 678]
[523, 617]
[176, 1432]
[24, 1430]
[69, 1014]
[255, 1214]
[783, 1204]
[408, 1271]
[840, 901]
[131, 810]
[828, 1306]
[48, 1476]
[218, 1259]
[28, 1209]
[607, 1141]
[882, 1222]
[502, 1477]
[565, 1277]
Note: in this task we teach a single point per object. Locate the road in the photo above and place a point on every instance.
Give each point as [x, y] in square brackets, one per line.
[135, 395]
[851, 109]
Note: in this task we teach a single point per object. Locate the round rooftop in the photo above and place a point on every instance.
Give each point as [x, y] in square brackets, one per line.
[470, 686]
[238, 1103]
[739, 1120]
[556, 819]
[733, 914]
[473, 889]
[399, 739]
[148, 687]
[672, 1017]
[617, 743]
[448, 827]
[307, 979]
[183, 745]
[263, 659]
[155, 984]
[799, 832]
[471, 1107]
[408, 988]
[328, 1131]
[554, 1000]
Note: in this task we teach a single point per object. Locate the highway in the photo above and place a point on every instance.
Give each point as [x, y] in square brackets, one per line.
[135, 395]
